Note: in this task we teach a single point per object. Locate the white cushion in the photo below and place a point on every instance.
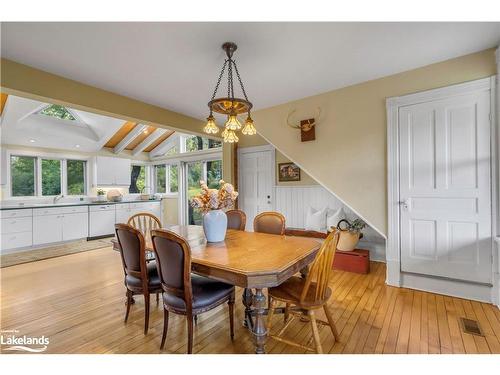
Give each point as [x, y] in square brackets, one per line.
[334, 216]
[316, 220]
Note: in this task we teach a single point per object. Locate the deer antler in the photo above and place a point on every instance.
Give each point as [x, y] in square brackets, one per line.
[296, 126]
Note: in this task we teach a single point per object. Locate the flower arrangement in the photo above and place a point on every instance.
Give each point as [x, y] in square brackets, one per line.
[213, 199]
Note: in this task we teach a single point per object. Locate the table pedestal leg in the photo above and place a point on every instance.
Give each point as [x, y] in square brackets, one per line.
[247, 302]
[259, 329]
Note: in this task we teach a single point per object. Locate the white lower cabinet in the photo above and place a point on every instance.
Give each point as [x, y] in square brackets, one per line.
[47, 229]
[16, 229]
[59, 224]
[125, 210]
[75, 226]
[102, 220]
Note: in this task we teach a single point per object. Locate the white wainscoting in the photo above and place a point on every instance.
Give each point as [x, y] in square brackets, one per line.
[294, 201]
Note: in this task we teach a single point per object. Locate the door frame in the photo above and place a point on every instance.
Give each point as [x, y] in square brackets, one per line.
[394, 275]
[248, 150]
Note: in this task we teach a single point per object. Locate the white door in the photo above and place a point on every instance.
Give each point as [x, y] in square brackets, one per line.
[445, 198]
[256, 173]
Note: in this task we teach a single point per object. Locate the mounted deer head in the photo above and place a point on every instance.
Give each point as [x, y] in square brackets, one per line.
[307, 127]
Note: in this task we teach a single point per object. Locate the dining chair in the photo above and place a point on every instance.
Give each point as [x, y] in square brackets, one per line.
[307, 295]
[145, 223]
[236, 219]
[141, 277]
[185, 293]
[269, 222]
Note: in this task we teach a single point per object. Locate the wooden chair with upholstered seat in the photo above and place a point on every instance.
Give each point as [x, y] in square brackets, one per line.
[308, 294]
[140, 277]
[185, 293]
[236, 219]
[269, 222]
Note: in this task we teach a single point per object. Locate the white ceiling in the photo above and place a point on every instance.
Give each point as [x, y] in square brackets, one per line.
[175, 65]
[20, 124]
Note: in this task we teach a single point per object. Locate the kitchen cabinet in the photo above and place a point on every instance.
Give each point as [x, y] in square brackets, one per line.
[102, 220]
[111, 171]
[56, 224]
[16, 229]
[125, 210]
[47, 229]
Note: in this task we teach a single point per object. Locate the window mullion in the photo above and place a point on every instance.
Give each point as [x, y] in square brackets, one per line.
[38, 174]
[64, 177]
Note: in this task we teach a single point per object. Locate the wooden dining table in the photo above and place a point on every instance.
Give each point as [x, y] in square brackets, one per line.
[249, 260]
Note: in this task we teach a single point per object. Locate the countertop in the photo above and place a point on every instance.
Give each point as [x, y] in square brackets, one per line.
[46, 205]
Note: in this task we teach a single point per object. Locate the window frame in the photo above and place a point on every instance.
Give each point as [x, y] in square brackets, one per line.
[9, 178]
[168, 190]
[148, 178]
[38, 156]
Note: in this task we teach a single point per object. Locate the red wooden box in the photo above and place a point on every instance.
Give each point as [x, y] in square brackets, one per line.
[357, 261]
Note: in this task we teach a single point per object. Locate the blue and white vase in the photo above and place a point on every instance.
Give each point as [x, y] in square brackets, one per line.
[215, 225]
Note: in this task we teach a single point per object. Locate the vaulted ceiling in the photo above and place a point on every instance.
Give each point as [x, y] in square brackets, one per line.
[23, 124]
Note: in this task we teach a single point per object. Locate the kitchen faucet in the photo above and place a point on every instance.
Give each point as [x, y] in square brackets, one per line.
[57, 197]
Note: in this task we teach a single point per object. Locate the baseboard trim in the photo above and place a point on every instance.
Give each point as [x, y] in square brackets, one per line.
[377, 250]
[454, 288]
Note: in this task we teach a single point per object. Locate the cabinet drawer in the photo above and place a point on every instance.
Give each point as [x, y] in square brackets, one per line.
[74, 210]
[48, 211]
[16, 225]
[25, 212]
[102, 207]
[15, 240]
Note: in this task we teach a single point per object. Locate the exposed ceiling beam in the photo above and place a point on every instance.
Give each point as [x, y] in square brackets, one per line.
[148, 140]
[166, 145]
[129, 138]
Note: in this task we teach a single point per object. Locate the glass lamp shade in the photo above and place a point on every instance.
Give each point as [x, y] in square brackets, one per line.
[211, 127]
[249, 129]
[233, 123]
[229, 136]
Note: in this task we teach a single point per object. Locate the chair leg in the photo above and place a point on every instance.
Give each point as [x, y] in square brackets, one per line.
[331, 323]
[286, 315]
[165, 328]
[157, 298]
[195, 318]
[146, 313]
[190, 333]
[129, 302]
[314, 326]
[272, 306]
[230, 303]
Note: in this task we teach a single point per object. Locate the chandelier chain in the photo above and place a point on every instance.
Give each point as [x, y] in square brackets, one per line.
[241, 82]
[230, 90]
[220, 78]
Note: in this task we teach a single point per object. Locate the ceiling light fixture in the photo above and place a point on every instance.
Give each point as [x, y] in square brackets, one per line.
[230, 105]
[32, 140]
[77, 146]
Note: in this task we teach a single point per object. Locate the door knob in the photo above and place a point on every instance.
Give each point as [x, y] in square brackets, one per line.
[404, 203]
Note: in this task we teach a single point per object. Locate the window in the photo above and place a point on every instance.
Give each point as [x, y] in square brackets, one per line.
[51, 177]
[209, 171]
[196, 143]
[174, 150]
[42, 176]
[173, 180]
[138, 179]
[160, 179]
[214, 173]
[76, 177]
[166, 178]
[57, 111]
[22, 171]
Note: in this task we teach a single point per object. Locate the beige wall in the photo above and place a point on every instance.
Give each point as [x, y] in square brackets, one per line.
[349, 154]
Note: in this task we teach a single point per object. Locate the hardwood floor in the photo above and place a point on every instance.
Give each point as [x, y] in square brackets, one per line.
[77, 301]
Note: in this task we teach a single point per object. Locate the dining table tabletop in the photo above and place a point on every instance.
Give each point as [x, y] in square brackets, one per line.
[249, 260]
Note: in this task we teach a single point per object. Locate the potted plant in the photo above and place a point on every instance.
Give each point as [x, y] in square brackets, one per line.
[211, 203]
[101, 195]
[350, 233]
